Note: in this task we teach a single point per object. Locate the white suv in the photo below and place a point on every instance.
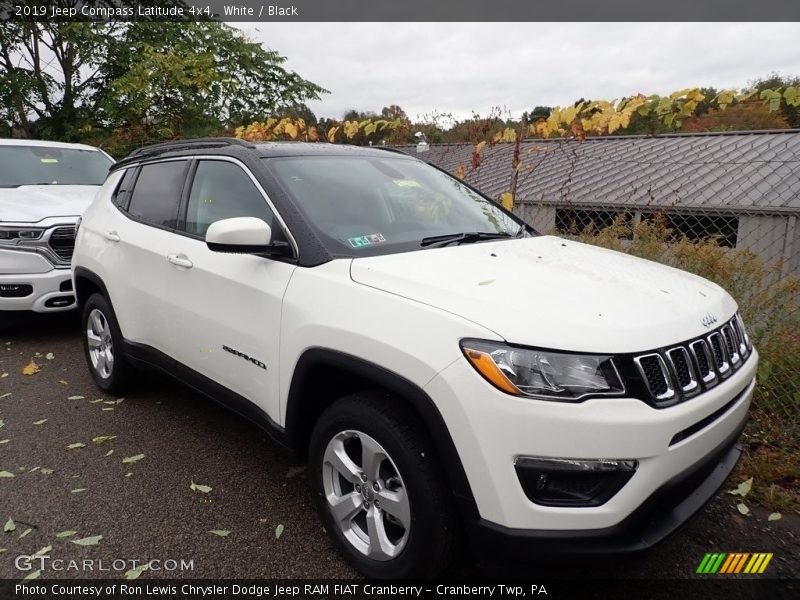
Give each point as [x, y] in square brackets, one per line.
[44, 188]
[443, 367]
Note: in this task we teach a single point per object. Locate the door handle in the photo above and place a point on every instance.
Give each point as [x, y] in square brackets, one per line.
[111, 236]
[180, 260]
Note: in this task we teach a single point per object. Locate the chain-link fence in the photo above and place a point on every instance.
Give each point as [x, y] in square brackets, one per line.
[722, 205]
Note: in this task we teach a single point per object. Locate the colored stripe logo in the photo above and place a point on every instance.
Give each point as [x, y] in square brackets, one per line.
[734, 562]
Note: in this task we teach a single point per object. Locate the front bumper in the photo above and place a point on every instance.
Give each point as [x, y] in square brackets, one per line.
[45, 288]
[490, 429]
[663, 513]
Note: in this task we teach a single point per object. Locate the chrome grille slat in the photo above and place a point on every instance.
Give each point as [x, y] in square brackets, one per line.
[703, 361]
[656, 376]
[683, 368]
[731, 345]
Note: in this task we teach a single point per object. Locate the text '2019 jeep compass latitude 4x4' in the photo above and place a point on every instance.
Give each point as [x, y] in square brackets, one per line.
[443, 367]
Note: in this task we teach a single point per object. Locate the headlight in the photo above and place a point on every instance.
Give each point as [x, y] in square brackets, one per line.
[13, 235]
[543, 373]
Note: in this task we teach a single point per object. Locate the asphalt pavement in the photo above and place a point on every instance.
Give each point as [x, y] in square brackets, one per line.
[123, 469]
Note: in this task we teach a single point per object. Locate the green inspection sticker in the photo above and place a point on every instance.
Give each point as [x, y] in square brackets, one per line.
[48, 161]
[366, 240]
[405, 183]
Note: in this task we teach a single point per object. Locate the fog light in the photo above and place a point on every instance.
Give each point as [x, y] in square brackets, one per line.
[572, 482]
[15, 290]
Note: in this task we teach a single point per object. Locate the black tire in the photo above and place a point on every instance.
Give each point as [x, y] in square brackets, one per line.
[120, 373]
[430, 544]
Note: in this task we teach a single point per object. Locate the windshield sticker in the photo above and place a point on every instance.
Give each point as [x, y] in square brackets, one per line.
[366, 240]
[49, 160]
[405, 183]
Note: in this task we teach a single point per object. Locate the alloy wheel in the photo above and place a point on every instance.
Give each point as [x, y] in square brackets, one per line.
[100, 343]
[366, 495]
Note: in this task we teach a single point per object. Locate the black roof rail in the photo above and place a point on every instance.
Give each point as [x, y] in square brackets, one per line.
[191, 143]
[391, 149]
[156, 149]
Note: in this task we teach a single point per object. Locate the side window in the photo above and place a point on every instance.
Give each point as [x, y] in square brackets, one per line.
[222, 190]
[157, 194]
[122, 194]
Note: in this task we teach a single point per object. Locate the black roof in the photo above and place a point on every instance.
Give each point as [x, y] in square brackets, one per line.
[234, 146]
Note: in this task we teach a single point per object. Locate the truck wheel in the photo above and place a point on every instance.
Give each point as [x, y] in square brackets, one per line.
[102, 345]
[380, 490]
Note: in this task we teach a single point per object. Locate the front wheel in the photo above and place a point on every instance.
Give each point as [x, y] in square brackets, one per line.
[102, 345]
[379, 489]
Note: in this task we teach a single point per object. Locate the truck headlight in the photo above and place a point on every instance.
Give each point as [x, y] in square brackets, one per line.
[544, 374]
[13, 235]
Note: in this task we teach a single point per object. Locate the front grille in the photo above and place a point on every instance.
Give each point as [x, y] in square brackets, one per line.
[678, 372]
[62, 242]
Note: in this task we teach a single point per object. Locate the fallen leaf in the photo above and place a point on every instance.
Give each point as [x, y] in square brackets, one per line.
[128, 474]
[46, 471]
[78, 490]
[75, 397]
[42, 551]
[132, 459]
[742, 508]
[88, 541]
[34, 469]
[62, 382]
[103, 438]
[67, 533]
[95, 401]
[24, 533]
[220, 532]
[31, 368]
[774, 517]
[2, 423]
[39, 422]
[49, 356]
[110, 452]
[743, 488]
[76, 445]
[196, 487]
[4, 375]
[108, 408]
[6, 395]
[5, 474]
[4, 441]
[279, 531]
[34, 575]
[10, 525]
[109, 401]
[136, 572]
[2, 550]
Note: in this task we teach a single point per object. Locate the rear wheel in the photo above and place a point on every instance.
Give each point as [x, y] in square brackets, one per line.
[102, 344]
[380, 490]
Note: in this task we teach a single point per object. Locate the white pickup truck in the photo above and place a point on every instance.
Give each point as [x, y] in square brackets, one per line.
[44, 188]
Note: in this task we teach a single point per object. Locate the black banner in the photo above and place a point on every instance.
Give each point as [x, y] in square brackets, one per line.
[401, 10]
[728, 588]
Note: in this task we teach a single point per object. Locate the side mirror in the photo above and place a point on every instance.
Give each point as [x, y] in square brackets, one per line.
[242, 235]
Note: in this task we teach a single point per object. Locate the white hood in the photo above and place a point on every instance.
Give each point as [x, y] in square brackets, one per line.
[554, 293]
[33, 203]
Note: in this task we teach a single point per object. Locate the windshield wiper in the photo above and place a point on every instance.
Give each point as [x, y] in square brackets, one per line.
[467, 237]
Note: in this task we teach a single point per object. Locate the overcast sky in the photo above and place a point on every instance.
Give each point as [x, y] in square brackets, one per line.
[465, 67]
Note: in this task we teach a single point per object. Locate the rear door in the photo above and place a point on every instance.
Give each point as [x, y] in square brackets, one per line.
[150, 198]
[225, 309]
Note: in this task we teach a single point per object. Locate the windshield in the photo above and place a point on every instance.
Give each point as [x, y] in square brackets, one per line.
[41, 165]
[365, 206]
